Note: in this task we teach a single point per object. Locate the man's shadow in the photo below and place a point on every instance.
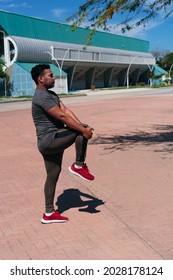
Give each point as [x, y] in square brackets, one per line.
[72, 198]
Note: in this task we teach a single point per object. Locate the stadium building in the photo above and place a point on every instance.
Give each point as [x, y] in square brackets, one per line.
[110, 60]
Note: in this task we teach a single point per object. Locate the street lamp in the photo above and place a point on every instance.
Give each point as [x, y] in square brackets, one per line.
[128, 70]
[59, 66]
[170, 72]
[151, 70]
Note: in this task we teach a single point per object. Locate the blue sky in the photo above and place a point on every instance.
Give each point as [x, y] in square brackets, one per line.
[158, 32]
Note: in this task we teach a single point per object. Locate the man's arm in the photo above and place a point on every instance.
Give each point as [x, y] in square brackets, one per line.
[65, 115]
[69, 112]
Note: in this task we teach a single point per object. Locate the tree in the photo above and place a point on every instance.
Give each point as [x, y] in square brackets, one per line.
[130, 14]
[159, 55]
[167, 61]
[164, 59]
[3, 76]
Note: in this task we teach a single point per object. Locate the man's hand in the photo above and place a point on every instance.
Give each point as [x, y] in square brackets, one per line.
[88, 132]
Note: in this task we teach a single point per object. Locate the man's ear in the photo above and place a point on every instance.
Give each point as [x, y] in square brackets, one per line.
[40, 79]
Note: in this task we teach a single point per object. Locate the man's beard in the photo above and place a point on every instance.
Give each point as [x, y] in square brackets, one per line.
[50, 86]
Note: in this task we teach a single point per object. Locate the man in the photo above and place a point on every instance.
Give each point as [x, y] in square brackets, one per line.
[57, 128]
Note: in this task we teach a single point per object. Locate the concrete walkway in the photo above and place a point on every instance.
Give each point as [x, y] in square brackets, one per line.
[126, 213]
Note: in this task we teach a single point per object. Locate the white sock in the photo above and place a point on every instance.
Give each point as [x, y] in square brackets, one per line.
[49, 214]
[77, 166]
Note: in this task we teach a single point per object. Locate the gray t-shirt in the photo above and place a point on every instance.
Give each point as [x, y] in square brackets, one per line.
[46, 125]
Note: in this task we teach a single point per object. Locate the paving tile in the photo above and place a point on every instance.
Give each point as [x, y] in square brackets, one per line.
[131, 156]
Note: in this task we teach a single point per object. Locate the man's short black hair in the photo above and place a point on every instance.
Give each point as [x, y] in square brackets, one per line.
[37, 70]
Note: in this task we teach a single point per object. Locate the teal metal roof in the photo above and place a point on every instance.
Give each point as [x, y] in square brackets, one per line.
[24, 26]
[28, 66]
[159, 70]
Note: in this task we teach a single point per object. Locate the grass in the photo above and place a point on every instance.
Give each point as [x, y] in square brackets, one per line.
[29, 97]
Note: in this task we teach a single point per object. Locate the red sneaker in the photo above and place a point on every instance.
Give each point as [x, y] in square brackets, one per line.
[82, 172]
[54, 218]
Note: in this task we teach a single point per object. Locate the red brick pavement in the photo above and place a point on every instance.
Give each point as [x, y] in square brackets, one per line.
[131, 155]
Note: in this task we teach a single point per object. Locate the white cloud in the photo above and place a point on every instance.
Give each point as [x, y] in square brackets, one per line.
[13, 5]
[138, 32]
[58, 12]
[26, 5]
